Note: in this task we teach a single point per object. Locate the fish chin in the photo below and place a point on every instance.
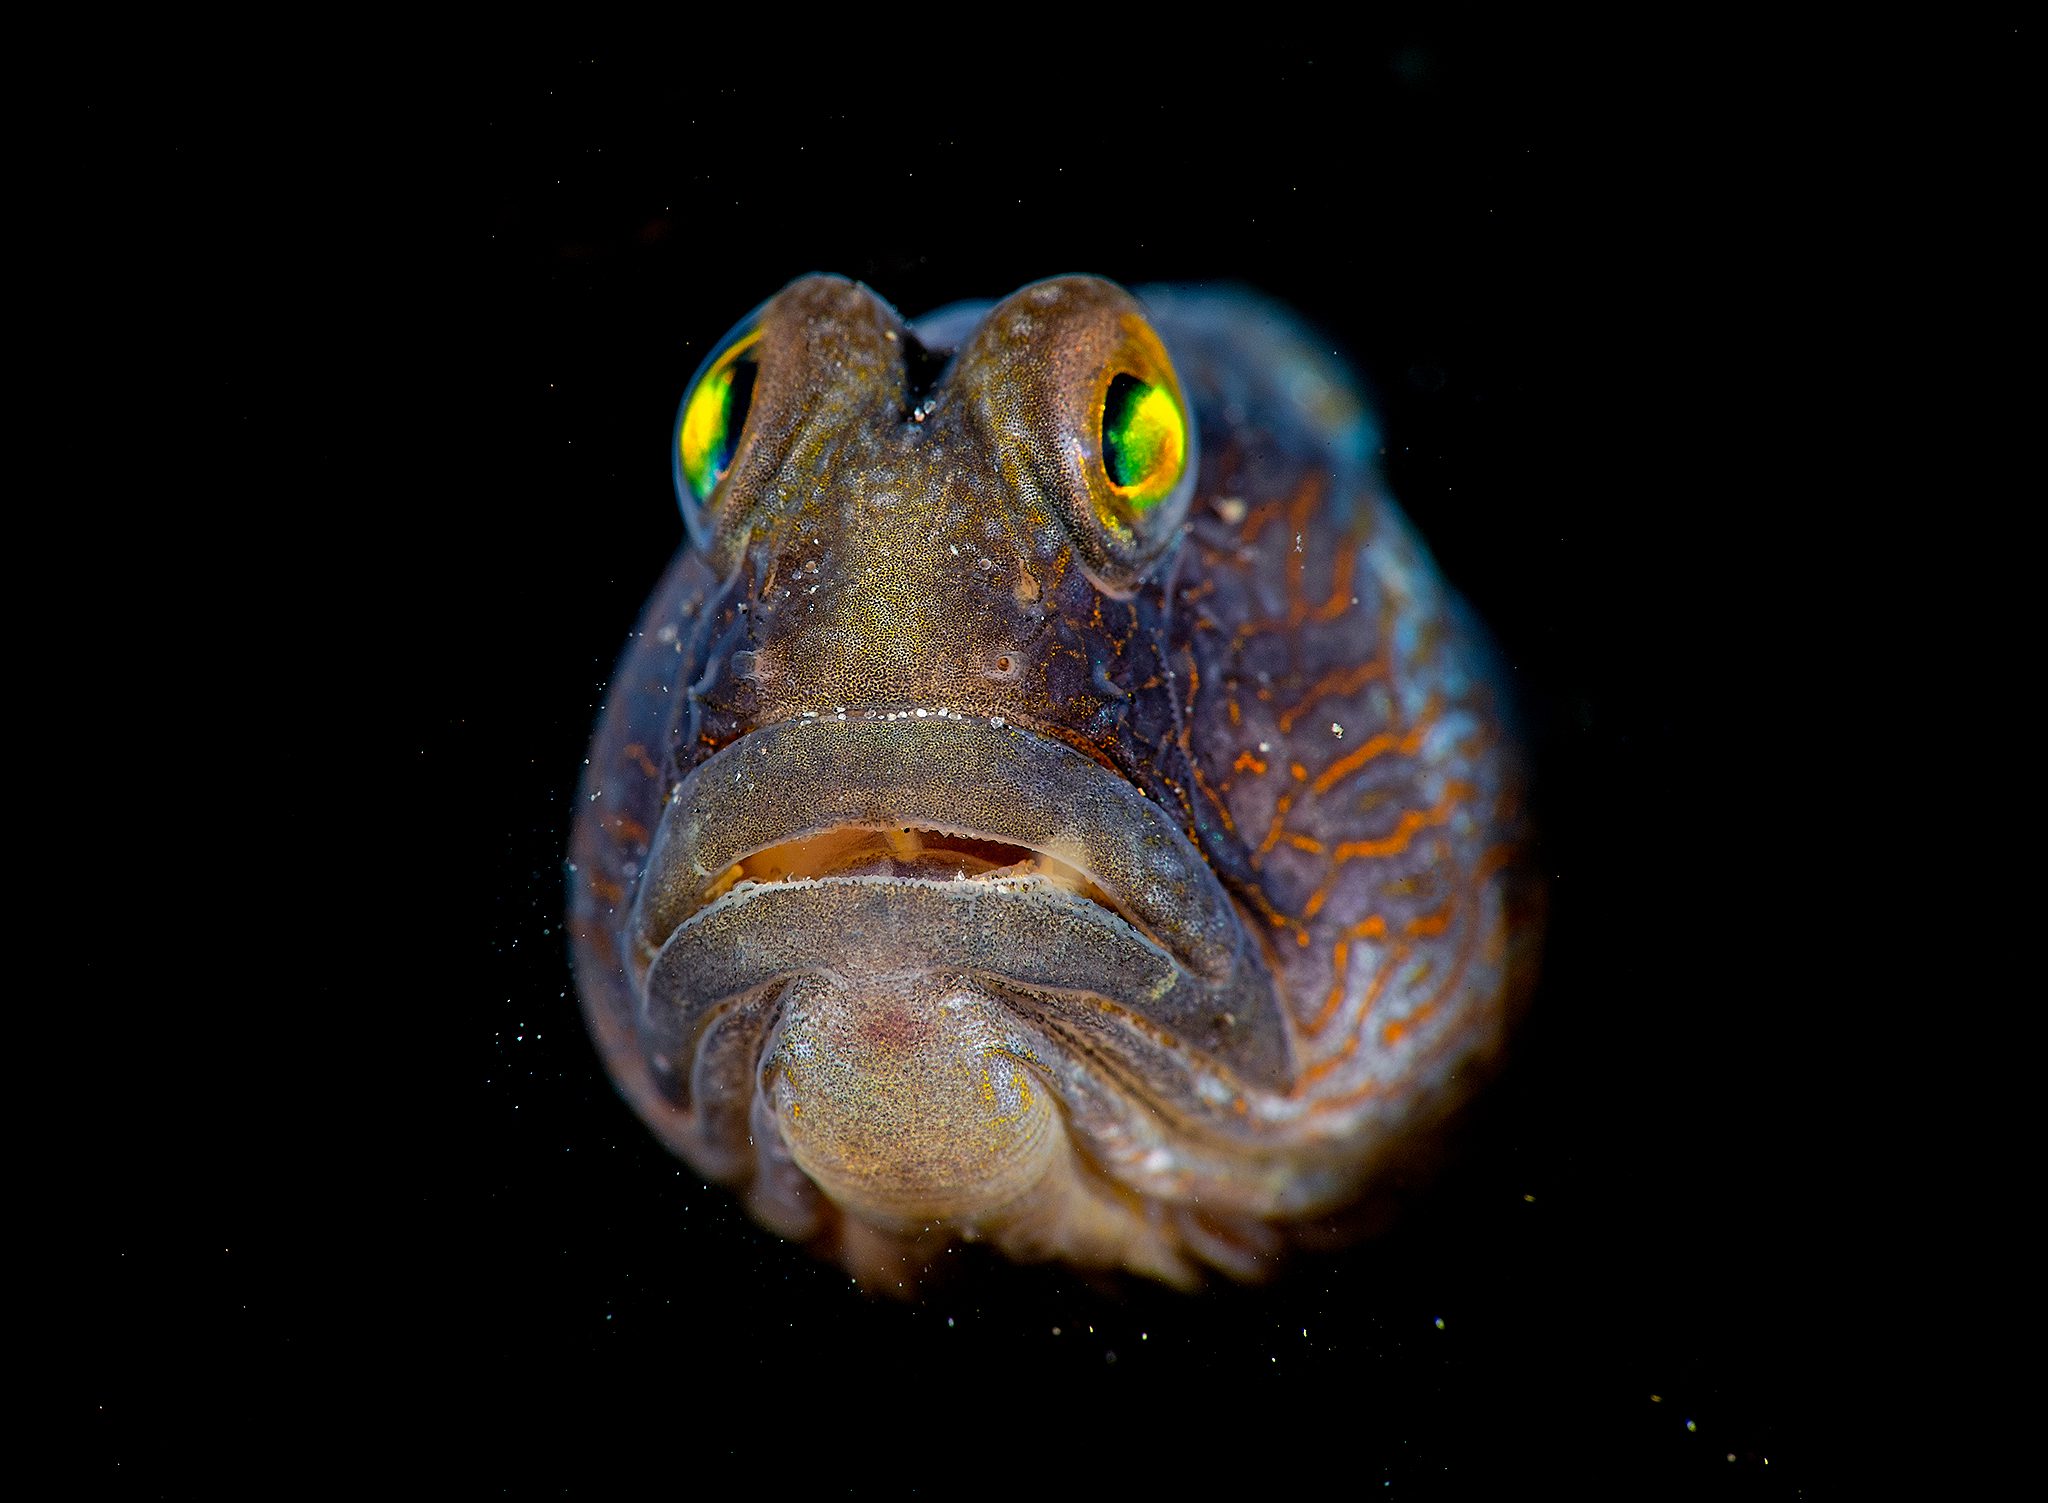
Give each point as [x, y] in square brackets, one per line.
[907, 1101]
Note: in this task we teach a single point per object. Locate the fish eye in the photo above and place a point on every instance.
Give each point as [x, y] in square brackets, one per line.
[715, 413]
[1144, 442]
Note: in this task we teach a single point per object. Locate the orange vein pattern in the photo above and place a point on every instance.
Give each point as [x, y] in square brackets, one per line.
[1378, 746]
[1373, 927]
[1412, 820]
[1338, 682]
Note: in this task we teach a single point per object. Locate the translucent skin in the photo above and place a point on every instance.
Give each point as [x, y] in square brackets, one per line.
[1274, 907]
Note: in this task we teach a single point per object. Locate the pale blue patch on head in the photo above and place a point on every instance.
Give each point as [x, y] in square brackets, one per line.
[947, 328]
[1257, 357]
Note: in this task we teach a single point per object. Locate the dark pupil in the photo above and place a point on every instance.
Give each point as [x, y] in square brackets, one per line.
[1124, 392]
[738, 398]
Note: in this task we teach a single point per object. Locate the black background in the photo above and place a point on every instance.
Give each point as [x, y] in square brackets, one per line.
[403, 342]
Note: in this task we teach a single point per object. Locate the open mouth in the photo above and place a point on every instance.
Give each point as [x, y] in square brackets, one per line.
[942, 845]
[909, 852]
[932, 798]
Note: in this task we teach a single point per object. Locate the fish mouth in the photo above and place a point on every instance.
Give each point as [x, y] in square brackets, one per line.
[944, 844]
[914, 853]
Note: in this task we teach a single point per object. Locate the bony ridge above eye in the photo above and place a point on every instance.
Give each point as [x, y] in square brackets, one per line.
[1069, 378]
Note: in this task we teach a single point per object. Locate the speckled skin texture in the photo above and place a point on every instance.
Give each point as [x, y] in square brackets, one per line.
[1254, 720]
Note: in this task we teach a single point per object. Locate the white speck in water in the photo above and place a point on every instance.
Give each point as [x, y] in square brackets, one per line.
[1337, 730]
[997, 721]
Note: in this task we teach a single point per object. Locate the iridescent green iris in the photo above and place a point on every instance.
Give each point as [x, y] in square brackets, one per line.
[1144, 441]
[714, 415]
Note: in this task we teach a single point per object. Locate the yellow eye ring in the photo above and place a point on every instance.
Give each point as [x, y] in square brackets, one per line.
[1144, 442]
[713, 417]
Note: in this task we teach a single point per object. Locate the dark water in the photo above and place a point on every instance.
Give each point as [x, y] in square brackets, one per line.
[410, 337]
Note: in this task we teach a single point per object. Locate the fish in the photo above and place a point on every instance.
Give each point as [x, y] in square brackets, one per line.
[1052, 800]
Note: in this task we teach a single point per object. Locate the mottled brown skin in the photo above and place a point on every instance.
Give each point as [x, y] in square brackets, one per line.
[1273, 908]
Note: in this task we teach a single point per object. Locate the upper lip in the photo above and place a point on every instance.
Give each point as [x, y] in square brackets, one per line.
[953, 774]
[970, 777]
